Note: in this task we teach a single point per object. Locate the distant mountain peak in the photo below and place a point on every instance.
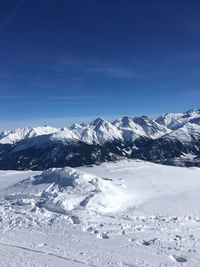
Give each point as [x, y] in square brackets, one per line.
[98, 121]
[174, 121]
[162, 140]
[193, 110]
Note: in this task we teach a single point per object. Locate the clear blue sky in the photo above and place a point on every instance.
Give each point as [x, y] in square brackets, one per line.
[72, 60]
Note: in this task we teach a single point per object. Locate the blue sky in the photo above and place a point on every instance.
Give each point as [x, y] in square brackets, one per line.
[64, 61]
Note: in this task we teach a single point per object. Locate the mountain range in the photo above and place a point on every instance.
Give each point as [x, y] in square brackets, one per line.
[172, 139]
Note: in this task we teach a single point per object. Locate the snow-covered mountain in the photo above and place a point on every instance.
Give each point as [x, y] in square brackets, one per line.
[99, 131]
[10, 137]
[170, 139]
[151, 128]
[176, 120]
[189, 132]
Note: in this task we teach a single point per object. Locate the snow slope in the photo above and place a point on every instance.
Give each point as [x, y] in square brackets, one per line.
[128, 213]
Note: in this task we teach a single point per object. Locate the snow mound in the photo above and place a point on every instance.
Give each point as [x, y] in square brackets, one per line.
[70, 189]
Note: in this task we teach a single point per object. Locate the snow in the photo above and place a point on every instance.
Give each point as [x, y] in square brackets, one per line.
[128, 213]
[105, 131]
[130, 130]
[64, 134]
[84, 133]
[175, 120]
[9, 178]
[151, 128]
[187, 133]
[133, 128]
[99, 131]
[181, 126]
[10, 137]
[74, 189]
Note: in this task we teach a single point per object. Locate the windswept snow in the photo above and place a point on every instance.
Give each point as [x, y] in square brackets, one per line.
[128, 213]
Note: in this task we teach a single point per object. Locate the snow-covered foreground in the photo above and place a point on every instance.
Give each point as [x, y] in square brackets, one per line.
[129, 213]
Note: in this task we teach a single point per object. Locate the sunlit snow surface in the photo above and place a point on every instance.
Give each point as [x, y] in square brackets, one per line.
[129, 213]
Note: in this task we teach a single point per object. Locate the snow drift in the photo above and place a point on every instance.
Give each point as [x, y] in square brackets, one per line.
[70, 189]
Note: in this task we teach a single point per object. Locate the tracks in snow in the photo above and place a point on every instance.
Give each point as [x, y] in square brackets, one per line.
[46, 253]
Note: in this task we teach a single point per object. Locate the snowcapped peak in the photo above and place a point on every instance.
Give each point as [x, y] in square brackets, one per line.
[143, 119]
[99, 122]
[124, 122]
[100, 131]
[174, 121]
[65, 134]
[75, 126]
[10, 137]
[105, 131]
[45, 130]
[193, 111]
[151, 128]
[129, 128]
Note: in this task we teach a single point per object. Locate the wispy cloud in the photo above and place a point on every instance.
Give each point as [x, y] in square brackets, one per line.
[111, 71]
[94, 67]
[53, 98]
[12, 14]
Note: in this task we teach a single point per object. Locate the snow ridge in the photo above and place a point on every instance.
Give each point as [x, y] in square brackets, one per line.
[100, 131]
[164, 140]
